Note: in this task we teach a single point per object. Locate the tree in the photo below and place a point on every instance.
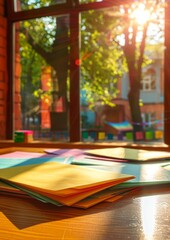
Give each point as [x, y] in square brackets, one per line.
[31, 63]
[102, 64]
[127, 30]
[48, 37]
[141, 18]
[52, 45]
[117, 45]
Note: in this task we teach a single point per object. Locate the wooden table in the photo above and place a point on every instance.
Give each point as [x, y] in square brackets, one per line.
[144, 216]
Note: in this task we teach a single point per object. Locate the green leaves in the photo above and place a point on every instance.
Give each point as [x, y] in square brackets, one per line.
[103, 64]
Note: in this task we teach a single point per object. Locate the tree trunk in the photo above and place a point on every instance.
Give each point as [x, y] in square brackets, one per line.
[59, 62]
[133, 98]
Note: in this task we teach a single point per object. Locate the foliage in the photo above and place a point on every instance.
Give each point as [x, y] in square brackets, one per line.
[113, 42]
[128, 32]
[102, 63]
[48, 38]
[31, 4]
[30, 74]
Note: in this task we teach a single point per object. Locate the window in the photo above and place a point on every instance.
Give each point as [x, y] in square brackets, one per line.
[149, 120]
[42, 70]
[148, 82]
[85, 46]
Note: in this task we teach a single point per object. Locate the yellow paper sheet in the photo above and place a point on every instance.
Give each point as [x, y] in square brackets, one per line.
[59, 179]
[129, 154]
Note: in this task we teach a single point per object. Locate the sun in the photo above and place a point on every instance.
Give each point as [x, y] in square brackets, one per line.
[140, 14]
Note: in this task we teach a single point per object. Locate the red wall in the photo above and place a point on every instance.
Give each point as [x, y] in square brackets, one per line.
[3, 71]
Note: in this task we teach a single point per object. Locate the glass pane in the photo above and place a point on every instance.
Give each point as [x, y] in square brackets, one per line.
[41, 77]
[33, 4]
[122, 88]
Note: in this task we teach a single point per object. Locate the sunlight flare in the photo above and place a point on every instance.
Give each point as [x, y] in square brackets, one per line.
[140, 14]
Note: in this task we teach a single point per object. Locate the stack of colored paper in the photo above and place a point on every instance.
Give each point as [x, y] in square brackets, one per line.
[81, 178]
[63, 184]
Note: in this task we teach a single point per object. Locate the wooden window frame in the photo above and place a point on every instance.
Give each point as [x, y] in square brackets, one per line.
[74, 8]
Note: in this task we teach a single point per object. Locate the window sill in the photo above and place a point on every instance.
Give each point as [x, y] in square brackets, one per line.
[85, 145]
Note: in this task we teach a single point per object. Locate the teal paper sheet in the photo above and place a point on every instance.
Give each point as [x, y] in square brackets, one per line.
[15, 162]
[146, 174]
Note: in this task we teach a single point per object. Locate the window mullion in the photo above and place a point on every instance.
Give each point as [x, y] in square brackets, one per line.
[74, 78]
[167, 76]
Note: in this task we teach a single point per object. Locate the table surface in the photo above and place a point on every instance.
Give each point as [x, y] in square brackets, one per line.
[144, 215]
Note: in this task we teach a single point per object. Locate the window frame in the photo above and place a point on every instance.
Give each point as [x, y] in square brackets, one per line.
[148, 82]
[73, 8]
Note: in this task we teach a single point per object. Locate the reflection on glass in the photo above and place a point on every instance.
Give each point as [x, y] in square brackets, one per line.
[41, 77]
[33, 4]
[148, 213]
[122, 73]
